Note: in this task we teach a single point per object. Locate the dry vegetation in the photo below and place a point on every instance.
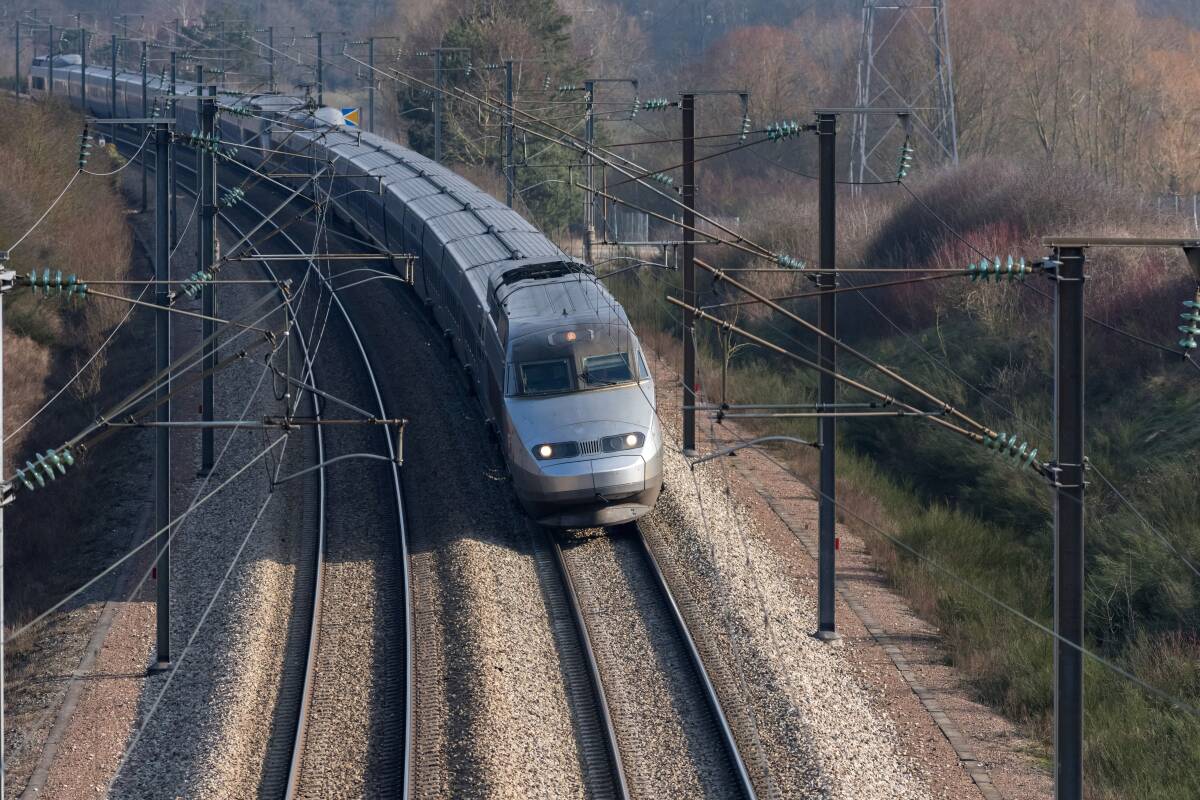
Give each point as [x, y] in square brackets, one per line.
[47, 338]
[1071, 113]
[956, 504]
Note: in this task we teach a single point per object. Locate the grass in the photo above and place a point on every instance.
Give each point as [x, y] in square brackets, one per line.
[47, 338]
[958, 505]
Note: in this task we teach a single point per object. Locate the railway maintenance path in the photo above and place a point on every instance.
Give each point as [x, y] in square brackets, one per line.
[742, 530]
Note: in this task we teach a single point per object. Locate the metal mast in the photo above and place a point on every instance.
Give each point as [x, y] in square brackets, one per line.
[903, 62]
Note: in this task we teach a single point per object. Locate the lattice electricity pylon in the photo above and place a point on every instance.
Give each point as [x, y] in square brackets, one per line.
[903, 62]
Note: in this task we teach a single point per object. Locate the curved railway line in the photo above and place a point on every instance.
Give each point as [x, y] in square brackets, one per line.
[609, 723]
[284, 767]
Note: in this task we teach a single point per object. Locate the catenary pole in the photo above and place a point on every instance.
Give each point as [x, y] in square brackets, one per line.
[589, 198]
[162, 351]
[17, 51]
[7, 281]
[687, 105]
[1068, 524]
[174, 156]
[50, 60]
[145, 114]
[826, 388]
[112, 85]
[510, 169]
[320, 71]
[207, 233]
[271, 58]
[371, 84]
[83, 69]
[438, 106]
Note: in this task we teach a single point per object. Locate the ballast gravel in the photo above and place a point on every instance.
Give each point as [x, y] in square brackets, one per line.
[201, 730]
[821, 729]
[665, 729]
[491, 717]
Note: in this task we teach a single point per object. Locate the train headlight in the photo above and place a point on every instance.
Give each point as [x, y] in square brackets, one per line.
[623, 441]
[545, 452]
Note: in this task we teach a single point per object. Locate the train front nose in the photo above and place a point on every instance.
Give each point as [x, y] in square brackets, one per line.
[602, 478]
[595, 492]
[586, 459]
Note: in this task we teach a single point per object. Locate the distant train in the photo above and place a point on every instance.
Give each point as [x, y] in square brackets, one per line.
[550, 353]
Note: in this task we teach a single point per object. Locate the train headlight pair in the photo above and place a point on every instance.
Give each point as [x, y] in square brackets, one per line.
[545, 452]
[623, 441]
[609, 444]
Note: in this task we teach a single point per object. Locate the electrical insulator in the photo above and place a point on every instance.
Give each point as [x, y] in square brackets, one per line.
[233, 197]
[57, 283]
[787, 262]
[745, 127]
[1010, 447]
[905, 162]
[663, 178]
[196, 282]
[656, 104]
[986, 269]
[778, 131]
[37, 472]
[1191, 326]
[85, 147]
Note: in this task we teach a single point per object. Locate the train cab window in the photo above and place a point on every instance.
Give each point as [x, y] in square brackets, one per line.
[545, 377]
[606, 370]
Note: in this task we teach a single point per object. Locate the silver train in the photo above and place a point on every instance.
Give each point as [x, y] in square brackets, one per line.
[549, 352]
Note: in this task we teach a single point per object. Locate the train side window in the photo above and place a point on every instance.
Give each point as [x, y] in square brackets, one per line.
[39, 83]
[643, 370]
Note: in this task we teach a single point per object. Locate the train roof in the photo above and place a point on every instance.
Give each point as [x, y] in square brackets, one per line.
[486, 238]
[575, 296]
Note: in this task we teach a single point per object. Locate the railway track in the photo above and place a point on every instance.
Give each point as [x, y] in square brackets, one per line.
[284, 768]
[618, 701]
[673, 737]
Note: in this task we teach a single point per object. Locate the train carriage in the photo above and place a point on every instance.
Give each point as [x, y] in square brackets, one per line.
[550, 354]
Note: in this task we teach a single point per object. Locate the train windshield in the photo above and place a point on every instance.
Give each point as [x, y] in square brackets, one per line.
[607, 369]
[574, 358]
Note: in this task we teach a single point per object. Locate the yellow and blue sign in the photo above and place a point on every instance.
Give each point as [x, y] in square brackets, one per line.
[352, 116]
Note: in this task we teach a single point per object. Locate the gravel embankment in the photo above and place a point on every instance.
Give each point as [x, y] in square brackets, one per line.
[202, 729]
[355, 734]
[491, 717]
[822, 731]
[668, 736]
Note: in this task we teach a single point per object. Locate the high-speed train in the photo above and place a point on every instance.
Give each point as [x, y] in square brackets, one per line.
[549, 352]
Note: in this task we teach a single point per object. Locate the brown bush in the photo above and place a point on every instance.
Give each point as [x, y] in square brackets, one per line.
[85, 234]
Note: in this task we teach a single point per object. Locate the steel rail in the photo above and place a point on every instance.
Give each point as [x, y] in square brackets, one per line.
[589, 654]
[701, 678]
[710, 693]
[294, 777]
[319, 554]
[311, 656]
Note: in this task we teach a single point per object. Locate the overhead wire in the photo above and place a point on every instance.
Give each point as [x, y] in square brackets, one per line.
[1111, 328]
[938, 567]
[45, 213]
